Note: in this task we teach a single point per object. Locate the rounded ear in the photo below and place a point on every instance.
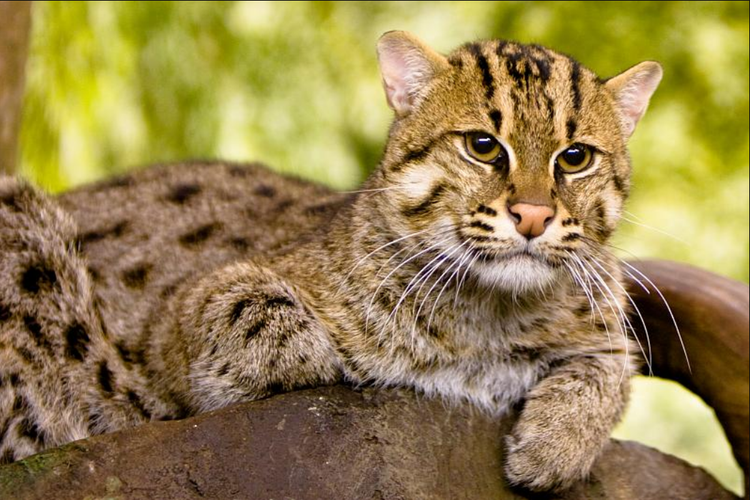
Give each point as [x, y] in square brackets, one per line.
[633, 90]
[407, 65]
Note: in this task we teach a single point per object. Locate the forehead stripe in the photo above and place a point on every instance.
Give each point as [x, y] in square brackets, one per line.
[487, 80]
[570, 127]
[575, 75]
[543, 63]
[497, 119]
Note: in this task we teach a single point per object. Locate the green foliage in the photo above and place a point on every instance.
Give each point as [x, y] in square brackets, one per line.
[112, 85]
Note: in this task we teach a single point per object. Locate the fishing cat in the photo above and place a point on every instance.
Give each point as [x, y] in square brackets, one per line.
[471, 266]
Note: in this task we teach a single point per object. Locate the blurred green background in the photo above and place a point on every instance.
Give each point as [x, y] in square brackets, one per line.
[116, 85]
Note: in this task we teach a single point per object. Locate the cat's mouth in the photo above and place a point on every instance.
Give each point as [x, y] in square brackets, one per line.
[519, 271]
[490, 255]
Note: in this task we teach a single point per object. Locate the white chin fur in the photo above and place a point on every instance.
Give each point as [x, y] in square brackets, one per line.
[518, 274]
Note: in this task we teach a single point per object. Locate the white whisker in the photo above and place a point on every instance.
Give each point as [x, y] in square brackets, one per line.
[669, 309]
[649, 359]
[445, 257]
[596, 304]
[586, 291]
[656, 229]
[596, 279]
[463, 276]
[430, 269]
[363, 259]
[440, 294]
[377, 290]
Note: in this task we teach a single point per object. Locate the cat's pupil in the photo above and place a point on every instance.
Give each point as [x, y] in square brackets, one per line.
[484, 144]
[574, 155]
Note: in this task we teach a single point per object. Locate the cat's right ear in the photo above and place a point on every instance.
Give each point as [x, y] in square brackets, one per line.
[407, 65]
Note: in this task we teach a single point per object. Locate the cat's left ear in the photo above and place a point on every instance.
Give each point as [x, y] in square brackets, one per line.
[632, 90]
[407, 65]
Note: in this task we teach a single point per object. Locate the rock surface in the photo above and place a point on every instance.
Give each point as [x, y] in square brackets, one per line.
[328, 443]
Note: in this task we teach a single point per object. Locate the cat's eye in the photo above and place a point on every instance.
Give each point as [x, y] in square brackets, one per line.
[485, 148]
[576, 158]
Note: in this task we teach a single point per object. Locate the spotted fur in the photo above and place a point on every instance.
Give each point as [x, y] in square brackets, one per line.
[185, 288]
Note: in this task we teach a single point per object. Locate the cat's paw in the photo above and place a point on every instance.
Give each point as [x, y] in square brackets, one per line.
[541, 456]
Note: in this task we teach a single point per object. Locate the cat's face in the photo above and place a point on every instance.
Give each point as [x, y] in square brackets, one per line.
[510, 160]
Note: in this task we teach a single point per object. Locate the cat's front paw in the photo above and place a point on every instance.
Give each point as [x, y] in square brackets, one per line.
[542, 458]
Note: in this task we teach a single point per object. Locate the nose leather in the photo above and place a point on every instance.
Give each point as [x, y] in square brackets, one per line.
[531, 220]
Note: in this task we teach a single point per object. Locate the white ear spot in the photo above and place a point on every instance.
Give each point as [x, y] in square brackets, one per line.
[407, 65]
[633, 90]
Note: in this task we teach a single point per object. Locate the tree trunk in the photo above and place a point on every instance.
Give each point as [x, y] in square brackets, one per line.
[15, 24]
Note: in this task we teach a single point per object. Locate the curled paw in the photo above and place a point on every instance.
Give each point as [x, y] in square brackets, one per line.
[539, 459]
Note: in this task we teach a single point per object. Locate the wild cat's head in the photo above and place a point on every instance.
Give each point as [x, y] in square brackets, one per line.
[509, 158]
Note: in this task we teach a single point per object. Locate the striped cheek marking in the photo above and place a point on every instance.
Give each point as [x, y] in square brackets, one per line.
[424, 205]
[416, 183]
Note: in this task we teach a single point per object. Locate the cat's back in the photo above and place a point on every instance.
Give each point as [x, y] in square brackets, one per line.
[144, 233]
[195, 207]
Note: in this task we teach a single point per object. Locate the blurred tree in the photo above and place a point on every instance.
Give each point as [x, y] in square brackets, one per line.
[15, 21]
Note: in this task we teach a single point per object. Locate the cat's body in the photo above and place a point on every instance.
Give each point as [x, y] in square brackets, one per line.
[190, 287]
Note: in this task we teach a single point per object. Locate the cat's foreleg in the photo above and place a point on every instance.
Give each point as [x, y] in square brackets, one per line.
[566, 421]
[239, 334]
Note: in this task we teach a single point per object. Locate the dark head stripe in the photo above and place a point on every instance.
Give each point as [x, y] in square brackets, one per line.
[497, 119]
[418, 154]
[487, 80]
[542, 61]
[570, 128]
[575, 77]
[501, 45]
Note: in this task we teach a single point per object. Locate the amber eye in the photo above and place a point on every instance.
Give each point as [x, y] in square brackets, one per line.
[576, 158]
[485, 148]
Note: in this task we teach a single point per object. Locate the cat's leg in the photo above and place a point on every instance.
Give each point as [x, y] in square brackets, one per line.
[239, 334]
[566, 421]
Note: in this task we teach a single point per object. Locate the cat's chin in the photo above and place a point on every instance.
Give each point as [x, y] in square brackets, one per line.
[517, 274]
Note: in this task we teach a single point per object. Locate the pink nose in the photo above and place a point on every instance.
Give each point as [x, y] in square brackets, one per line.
[531, 220]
